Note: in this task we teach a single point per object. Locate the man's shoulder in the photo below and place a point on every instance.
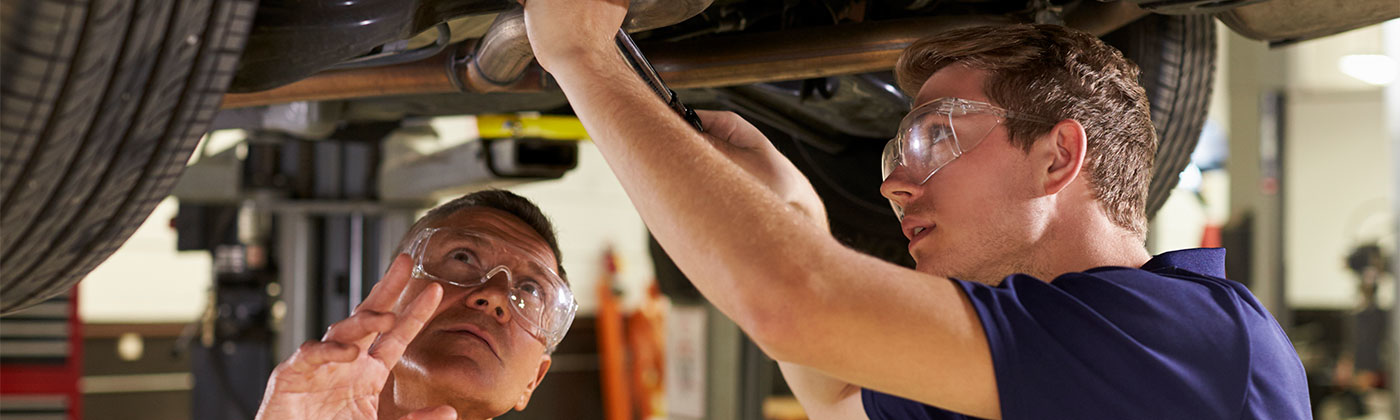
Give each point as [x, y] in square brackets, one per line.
[1127, 306]
[1188, 278]
[1189, 337]
[1174, 293]
[1177, 307]
[1182, 287]
[1187, 268]
[1192, 276]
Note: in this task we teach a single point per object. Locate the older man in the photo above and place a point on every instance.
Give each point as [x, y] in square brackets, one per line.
[461, 327]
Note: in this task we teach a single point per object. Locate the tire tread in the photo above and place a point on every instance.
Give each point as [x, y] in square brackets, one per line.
[114, 155]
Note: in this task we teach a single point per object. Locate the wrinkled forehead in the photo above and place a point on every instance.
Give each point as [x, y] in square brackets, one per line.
[510, 234]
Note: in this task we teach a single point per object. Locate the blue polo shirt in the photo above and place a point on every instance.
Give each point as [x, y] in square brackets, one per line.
[1170, 340]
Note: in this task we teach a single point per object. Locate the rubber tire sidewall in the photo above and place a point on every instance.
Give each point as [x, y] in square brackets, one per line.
[105, 100]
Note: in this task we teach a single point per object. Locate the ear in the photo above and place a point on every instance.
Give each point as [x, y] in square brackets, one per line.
[1062, 153]
[545, 361]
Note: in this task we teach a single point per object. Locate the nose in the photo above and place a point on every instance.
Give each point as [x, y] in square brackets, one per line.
[899, 188]
[492, 298]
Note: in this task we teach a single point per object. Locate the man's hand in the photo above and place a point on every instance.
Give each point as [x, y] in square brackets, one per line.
[341, 376]
[751, 150]
[567, 31]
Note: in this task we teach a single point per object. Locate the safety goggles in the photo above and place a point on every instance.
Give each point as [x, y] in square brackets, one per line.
[935, 133]
[540, 300]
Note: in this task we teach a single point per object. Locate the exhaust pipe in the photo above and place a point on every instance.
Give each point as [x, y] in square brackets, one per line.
[503, 54]
[724, 61]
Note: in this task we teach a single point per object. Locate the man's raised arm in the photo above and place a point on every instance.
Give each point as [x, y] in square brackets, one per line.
[801, 295]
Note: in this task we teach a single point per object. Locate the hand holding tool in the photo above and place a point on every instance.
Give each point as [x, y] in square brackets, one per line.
[648, 73]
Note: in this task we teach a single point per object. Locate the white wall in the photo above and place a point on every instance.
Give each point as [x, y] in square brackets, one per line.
[1314, 65]
[146, 280]
[1339, 189]
[591, 212]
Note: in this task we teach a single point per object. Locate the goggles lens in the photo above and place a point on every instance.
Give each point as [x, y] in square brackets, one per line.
[934, 134]
[540, 300]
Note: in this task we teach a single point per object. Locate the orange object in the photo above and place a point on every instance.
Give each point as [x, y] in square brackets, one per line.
[646, 345]
[612, 356]
[1211, 237]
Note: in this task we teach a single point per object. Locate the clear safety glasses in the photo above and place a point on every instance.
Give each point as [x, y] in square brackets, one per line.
[937, 132]
[540, 300]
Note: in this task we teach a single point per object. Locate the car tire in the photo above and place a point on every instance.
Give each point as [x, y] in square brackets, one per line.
[104, 100]
[1177, 57]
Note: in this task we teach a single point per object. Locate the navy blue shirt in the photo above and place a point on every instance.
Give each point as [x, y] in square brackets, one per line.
[1171, 340]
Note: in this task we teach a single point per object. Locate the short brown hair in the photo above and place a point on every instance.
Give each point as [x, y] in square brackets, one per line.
[1058, 73]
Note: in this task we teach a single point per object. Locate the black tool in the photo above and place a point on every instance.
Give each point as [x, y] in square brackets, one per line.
[648, 73]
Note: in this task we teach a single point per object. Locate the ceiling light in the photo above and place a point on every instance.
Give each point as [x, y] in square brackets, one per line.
[1375, 69]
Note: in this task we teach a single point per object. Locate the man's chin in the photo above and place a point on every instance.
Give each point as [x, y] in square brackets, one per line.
[466, 369]
[457, 381]
[933, 267]
[465, 372]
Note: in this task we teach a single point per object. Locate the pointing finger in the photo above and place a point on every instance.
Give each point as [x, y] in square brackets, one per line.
[381, 298]
[359, 327]
[391, 345]
[313, 354]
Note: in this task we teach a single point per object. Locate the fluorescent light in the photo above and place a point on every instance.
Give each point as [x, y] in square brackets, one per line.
[1375, 69]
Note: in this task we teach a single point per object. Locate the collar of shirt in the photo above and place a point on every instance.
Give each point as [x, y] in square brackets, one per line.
[1204, 261]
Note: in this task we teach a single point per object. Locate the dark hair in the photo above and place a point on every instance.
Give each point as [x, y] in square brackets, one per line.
[502, 200]
[1058, 73]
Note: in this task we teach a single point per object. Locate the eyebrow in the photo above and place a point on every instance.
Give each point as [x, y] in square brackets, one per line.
[455, 241]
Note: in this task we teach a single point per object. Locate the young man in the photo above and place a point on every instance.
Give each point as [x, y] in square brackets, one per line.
[1020, 179]
[461, 327]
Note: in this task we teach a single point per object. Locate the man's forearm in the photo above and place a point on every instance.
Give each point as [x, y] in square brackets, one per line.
[731, 234]
[821, 396]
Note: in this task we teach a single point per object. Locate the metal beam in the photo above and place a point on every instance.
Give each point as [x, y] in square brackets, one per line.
[293, 240]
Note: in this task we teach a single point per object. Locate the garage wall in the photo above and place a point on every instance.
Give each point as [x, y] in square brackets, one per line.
[1339, 186]
[591, 213]
[146, 281]
[1339, 170]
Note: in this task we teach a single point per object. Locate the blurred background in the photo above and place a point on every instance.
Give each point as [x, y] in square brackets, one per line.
[1297, 174]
